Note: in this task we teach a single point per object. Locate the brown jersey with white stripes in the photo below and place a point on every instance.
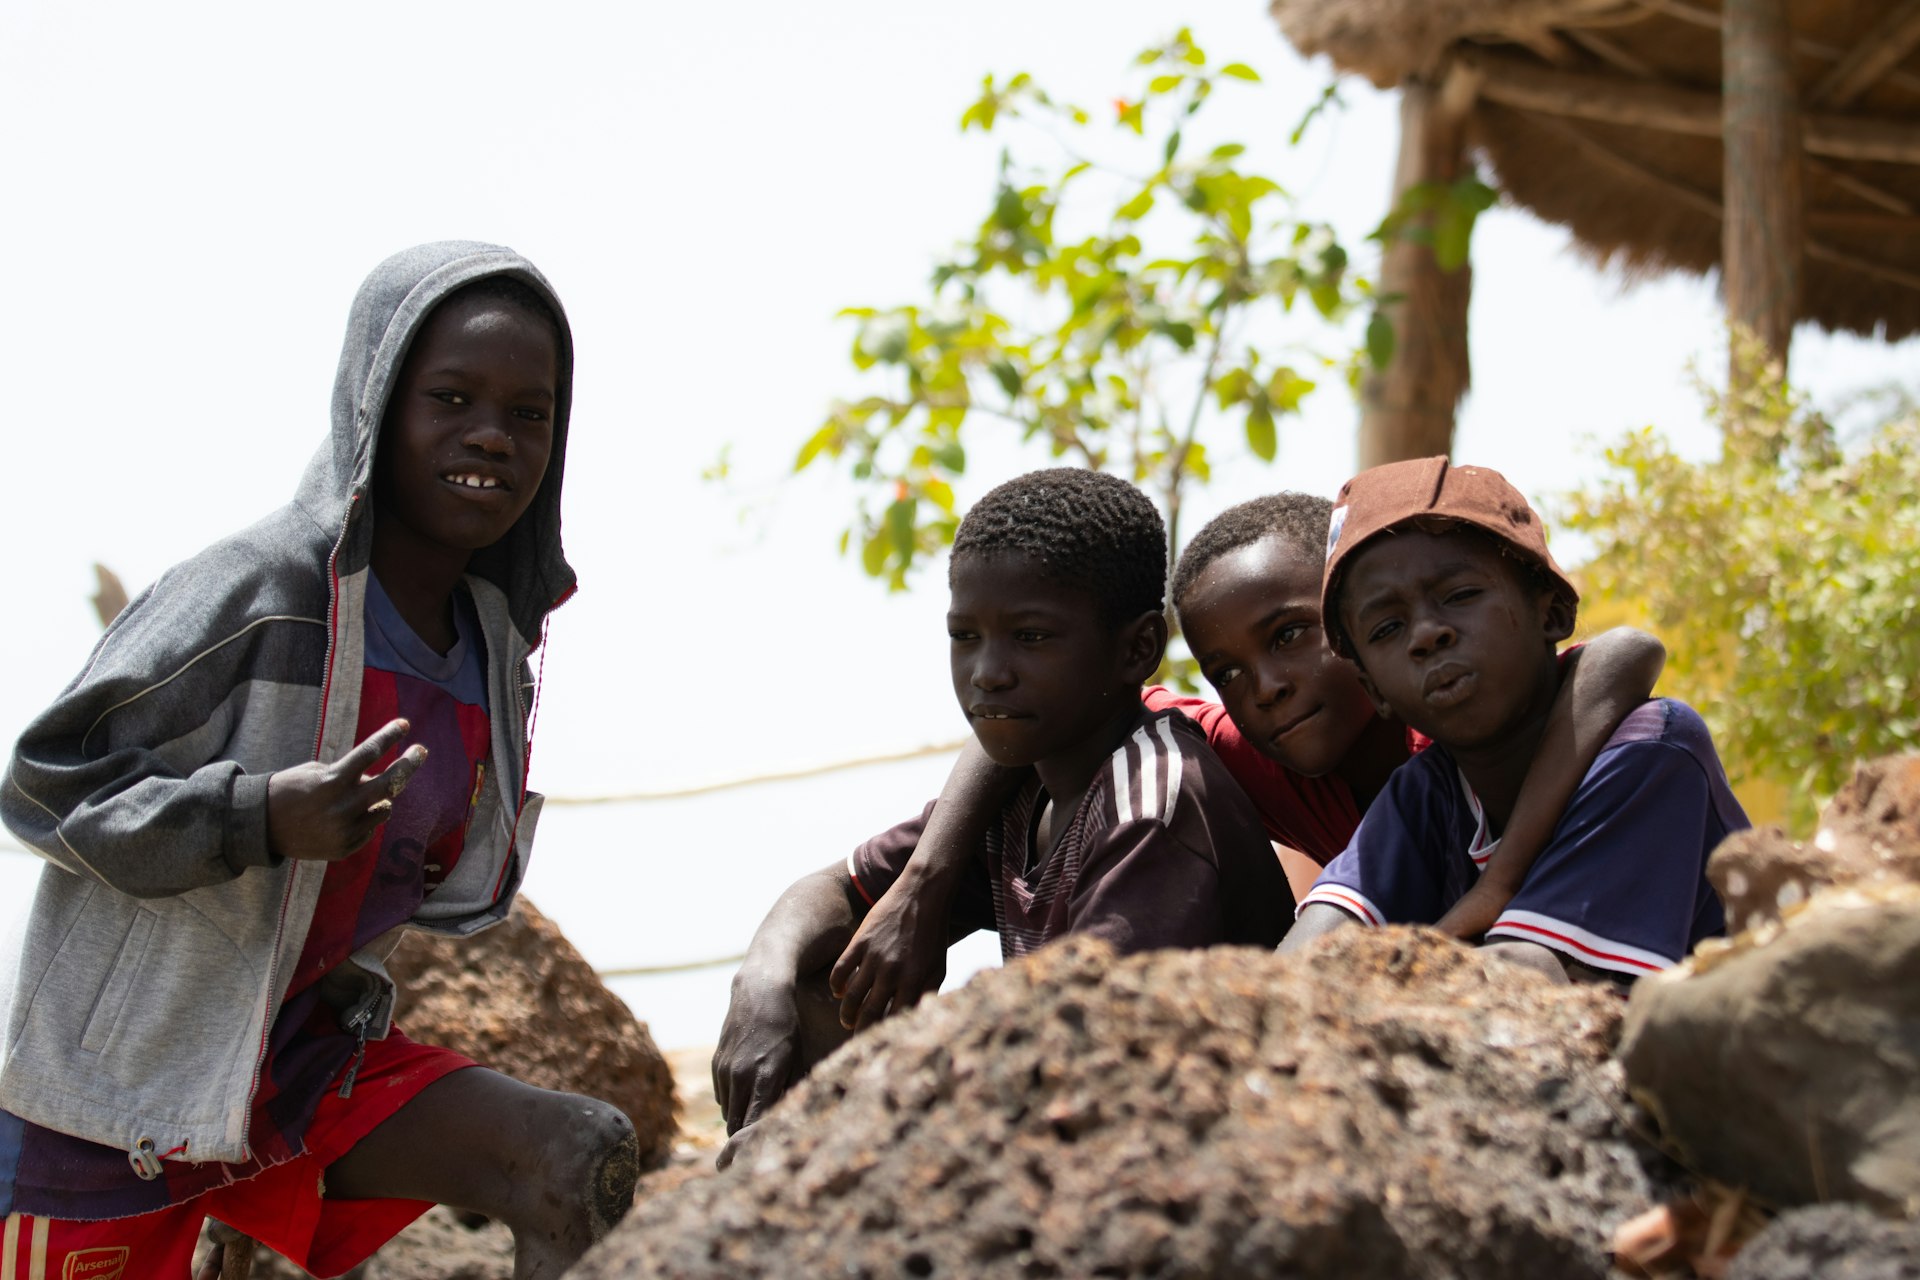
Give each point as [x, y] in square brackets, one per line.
[1165, 850]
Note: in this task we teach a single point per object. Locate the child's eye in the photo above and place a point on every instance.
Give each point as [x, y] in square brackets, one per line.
[531, 415]
[1029, 636]
[1223, 677]
[448, 397]
[959, 637]
[1382, 631]
[1288, 634]
[1461, 595]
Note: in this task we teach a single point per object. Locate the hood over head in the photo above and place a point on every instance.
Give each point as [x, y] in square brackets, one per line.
[529, 564]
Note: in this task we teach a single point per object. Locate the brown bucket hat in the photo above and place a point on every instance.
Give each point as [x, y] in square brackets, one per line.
[1382, 498]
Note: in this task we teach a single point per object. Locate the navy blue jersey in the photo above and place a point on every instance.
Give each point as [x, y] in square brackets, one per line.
[1622, 884]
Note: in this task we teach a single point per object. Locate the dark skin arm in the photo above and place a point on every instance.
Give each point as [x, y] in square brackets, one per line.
[760, 1049]
[1611, 675]
[899, 952]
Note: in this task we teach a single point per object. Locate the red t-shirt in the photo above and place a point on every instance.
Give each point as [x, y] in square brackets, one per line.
[1317, 816]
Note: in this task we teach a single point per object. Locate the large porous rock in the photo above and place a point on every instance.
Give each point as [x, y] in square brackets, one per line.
[1385, 1104]
[1832, 1242]
[1786, 1060]
[1870, 833]
[520, 999]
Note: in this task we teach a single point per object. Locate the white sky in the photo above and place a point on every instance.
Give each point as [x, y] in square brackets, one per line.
[195, 190]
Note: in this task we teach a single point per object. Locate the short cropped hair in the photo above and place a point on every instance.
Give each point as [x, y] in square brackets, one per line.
[1085, 529]
[1298, 519]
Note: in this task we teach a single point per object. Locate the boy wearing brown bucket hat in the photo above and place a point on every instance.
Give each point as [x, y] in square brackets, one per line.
[1440, 587]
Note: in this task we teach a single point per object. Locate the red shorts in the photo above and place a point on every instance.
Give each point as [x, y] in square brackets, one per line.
[284, 1207]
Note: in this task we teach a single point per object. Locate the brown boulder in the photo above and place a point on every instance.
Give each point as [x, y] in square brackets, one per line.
[520, 999]
[1869, 833]
[1386, 1104]
[1787, 1060]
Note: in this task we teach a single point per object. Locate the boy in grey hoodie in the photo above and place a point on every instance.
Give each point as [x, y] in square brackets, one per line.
[306, 737]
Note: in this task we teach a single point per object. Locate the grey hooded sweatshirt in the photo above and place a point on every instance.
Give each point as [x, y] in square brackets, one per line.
[163, 932]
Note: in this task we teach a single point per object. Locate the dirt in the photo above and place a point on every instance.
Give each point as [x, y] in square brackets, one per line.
[1388, 1104]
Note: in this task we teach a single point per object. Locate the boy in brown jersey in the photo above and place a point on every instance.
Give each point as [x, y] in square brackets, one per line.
[1130, 829]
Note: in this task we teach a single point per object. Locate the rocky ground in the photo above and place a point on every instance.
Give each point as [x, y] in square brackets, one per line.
[1388, 1105]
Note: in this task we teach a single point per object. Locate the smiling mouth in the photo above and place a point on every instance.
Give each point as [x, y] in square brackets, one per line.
[470, 480]
[1287, 728]
[995, 713]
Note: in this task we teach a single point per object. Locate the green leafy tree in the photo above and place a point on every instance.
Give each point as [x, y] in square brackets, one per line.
[1103, 313]
[1784, 575]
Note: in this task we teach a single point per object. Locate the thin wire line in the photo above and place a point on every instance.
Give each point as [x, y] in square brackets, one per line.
[788, 775]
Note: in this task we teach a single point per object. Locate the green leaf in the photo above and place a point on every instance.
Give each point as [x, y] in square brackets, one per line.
[1240, 71]
[873, 555]
[1135, 208]
[1261, 436]
[900, 528]
[1179, 330]
[1173, 145]
[1380, 340]
[952, 456]
[1007, 376]
[825, 438]
[1162, 84]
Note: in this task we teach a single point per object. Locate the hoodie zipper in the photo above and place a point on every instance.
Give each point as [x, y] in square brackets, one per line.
[319, 735]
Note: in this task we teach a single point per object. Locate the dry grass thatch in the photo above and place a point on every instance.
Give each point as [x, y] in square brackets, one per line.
[1602, 117]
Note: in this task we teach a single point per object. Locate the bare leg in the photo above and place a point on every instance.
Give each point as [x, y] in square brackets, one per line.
[557, 1168]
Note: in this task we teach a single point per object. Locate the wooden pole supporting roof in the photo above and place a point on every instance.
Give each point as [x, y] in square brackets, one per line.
[1763, 238]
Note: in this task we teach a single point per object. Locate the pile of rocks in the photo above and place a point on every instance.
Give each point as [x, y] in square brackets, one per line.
[1387, 1104]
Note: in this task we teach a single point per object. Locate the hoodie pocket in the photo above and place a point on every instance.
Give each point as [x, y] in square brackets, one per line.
[112, 999]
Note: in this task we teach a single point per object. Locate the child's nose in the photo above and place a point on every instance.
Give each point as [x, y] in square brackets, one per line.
[488, 432]
[1432, 634]
[991, 670]
[1270, 686]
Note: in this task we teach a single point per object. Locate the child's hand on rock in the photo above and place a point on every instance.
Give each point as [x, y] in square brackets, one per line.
[324, 812]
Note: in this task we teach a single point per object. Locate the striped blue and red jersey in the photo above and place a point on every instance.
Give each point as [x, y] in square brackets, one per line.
[1165, 850]
[364, 896]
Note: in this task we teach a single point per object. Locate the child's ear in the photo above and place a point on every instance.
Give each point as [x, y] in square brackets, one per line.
[1558, 617]
[1143, 642]
[1373, 694]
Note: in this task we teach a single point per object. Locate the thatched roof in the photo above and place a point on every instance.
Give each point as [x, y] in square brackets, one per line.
[1604, 117]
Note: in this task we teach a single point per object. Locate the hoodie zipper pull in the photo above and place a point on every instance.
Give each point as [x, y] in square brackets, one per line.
[357, 1024]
